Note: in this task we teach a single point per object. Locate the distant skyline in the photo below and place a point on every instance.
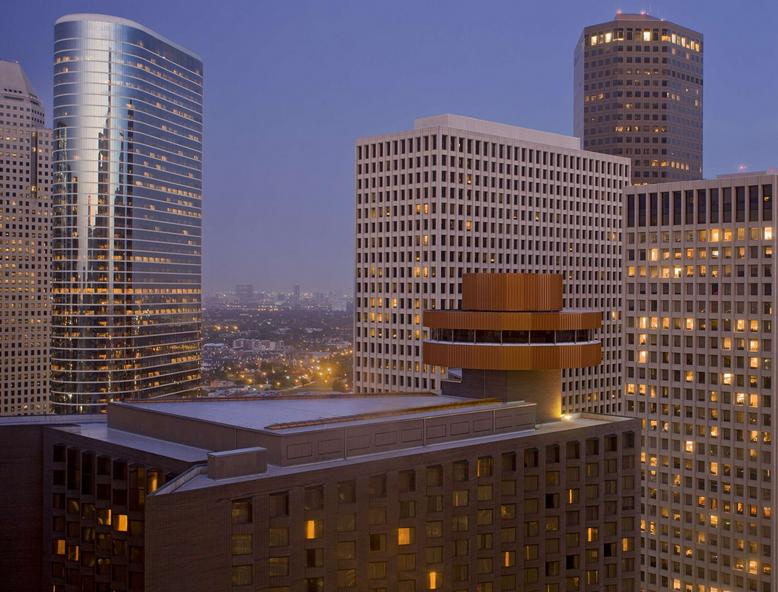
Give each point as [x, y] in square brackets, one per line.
[289, 87]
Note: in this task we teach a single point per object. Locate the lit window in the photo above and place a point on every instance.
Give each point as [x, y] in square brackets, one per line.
[646, 35]
[405, 535]
[312, 529]
[120, 524]
[434, 580]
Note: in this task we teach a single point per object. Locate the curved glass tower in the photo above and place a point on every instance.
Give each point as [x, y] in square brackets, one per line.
[126, 220]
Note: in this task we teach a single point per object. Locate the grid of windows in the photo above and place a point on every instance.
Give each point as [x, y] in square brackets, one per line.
[699, 314]
[638, 93]
[438, 202]
[126, 217]
[553, 516]
[97, 520]
[25, 172]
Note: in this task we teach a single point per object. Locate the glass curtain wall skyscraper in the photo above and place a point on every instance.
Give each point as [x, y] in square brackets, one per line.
[126, 219]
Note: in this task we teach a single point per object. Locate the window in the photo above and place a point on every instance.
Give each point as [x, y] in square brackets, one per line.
[314, 557]
[120, 522]
[241, 544]
[461, 472]
[278, 566]
[346, 550]
[314, 498]
[405, 535]
[279, 504]
[278, 537]
[241, 511]
[378, 542]
[484, 466]
[346, 522]
[377, 486]
[460, 497]
[346, 492]
[242, 575]
[313, 529]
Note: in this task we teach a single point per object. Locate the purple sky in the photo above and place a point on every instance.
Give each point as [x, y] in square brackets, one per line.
[289, 86]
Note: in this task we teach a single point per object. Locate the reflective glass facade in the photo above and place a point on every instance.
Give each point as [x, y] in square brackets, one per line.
[126, 232]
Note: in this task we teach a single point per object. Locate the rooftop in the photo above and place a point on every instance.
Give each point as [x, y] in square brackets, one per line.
[503, 130]
[14, 81]
[310, 412]
[117, 20]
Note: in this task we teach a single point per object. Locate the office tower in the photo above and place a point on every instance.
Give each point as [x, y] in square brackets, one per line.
[244, 294]
[296, 296]
[126, 214]
[457, 195]
[638, 93]
[25, 183]
[397, 492]
[699, 333]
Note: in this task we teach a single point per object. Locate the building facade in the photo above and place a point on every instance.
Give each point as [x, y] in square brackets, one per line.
[638, 93]
[126, 214]
[25, 185]
[308, 492]
[699, 372]
[457, 195]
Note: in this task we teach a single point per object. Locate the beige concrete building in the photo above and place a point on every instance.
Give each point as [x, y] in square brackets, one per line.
[638, 93]
[406, 492]
[699, 372]
[25, 189]
[456, 195]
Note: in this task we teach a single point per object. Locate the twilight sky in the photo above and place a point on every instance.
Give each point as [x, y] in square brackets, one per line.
[289, 86]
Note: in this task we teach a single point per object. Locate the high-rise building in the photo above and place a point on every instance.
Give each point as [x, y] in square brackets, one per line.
[638, 93]
[126, 214]
[396, 492]
[25, 183]
[700, 302]
[457, 195]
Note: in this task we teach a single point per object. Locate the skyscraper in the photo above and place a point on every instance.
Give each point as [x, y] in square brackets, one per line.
[700, 302]
[25, 174]
[457, 195]
[126, 214]
[638, 93]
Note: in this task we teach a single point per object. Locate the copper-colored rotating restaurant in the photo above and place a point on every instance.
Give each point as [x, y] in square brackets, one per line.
[511, 339]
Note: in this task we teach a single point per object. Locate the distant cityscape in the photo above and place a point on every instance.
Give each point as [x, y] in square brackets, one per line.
[277, 342]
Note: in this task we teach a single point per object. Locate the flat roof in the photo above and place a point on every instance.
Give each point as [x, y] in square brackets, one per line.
[165, 448]
[311, 412]
[493, 128]
[197, 477]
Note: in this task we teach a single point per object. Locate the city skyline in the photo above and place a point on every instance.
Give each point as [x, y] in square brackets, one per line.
[290, 232]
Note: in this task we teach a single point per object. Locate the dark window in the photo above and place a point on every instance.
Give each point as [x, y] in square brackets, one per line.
[689, 201]
[767, 202]
[714, 206]
[702, 204]
[631, 210]
[642, 209]
[753, 203]
[652, 209]
[740, 204]
[665, 207]
[676, 207]
[727, 205]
